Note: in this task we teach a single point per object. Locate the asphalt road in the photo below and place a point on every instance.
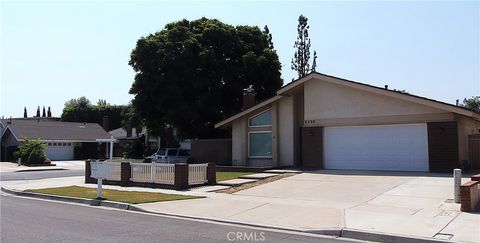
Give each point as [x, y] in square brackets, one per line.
[35, 175]
[31, 220]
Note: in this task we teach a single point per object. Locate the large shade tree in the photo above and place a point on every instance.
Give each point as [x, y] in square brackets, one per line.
[191, 74]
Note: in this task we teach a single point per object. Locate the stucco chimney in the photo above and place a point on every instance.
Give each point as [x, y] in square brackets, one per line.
[248, 97]
[105, 123]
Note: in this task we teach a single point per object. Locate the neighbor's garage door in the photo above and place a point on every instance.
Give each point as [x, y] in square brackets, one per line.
[59, 151]
[383, 147]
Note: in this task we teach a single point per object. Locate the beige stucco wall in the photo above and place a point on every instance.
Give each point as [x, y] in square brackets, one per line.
[466, 126]
[329, 101]
[286, 131]
[239, 140]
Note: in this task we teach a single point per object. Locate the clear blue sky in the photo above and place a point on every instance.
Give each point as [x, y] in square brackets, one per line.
[54, 51]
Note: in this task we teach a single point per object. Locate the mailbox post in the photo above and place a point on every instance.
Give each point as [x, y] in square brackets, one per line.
[99, 171]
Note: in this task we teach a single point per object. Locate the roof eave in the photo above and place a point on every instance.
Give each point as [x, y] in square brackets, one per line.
[229, 120]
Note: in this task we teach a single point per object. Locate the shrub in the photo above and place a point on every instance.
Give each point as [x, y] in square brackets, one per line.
[134, 150]
[32, 152]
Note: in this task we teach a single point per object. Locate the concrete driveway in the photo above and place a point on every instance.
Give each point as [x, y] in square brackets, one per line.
[413, 204]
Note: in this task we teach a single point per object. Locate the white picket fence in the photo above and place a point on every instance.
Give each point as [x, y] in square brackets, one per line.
[114, 171]
[153, 173]
[197, 174]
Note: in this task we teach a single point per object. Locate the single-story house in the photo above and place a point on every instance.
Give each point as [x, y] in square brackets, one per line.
[63, 140]
[333, 123]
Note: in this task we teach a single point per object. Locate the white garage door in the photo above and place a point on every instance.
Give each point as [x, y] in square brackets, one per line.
[59, 151]
[384, 147]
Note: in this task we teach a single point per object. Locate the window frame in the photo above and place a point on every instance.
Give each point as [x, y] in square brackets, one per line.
[259, 156]
[258, 114]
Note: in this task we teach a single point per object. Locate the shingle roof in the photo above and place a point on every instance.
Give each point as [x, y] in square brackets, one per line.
[121, 133]
[312, 75]
[56, 130]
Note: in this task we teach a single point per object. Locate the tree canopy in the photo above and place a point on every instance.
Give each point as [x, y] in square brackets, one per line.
[472, 103]
[302, 53]
[81, 110]
[191, 74]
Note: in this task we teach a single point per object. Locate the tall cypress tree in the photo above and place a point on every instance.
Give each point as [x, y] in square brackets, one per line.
[44, 114]
[25, 112]
[49, 113]
[38, 112]
[302, 45]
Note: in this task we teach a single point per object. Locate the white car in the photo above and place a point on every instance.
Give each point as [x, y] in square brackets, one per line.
[169, 156]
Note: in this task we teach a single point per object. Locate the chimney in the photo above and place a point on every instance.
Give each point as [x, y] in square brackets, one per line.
[105, 123]
[457, 103]
[129, 131]
[386, 86]
[248, 97]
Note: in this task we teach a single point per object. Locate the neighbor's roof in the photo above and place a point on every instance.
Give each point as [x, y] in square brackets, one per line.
[366, 87]
[121, 133]
[47, 130]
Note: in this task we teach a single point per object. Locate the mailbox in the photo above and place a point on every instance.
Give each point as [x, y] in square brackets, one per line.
[99, 170]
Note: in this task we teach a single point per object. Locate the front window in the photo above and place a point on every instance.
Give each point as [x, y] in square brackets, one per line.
[262, 119]
[260, 144]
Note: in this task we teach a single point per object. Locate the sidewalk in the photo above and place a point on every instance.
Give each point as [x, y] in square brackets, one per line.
[414, 206]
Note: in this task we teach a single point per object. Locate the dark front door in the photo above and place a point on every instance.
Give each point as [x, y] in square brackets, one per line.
[312, 146]
[443, 146]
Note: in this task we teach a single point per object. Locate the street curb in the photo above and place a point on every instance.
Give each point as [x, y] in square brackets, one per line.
[335, 232]
[91, 202]
[45, 169]
[382, 237]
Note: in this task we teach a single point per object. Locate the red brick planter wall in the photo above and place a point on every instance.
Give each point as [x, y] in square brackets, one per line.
[470, 196]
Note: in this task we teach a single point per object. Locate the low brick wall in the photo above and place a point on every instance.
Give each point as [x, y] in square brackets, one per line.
[470, 196]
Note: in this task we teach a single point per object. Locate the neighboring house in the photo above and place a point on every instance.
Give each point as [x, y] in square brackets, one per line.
[125, 136]
[152, 142]
[64, 140]
[332, 123]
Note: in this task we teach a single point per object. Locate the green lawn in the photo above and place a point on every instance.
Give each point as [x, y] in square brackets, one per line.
[223, 176]
[112, 195]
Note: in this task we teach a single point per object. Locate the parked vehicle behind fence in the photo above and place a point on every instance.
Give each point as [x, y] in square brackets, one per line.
[169, 156]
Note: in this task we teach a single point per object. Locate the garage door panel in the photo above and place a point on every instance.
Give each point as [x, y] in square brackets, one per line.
[59, 152]
[385, 147]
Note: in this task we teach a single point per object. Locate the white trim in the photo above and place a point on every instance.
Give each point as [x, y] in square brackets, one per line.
[15, 136]
[251, 109]
[248, 142]
[258, 114]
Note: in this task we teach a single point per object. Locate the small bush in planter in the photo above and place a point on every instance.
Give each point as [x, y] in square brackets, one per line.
[32, 152]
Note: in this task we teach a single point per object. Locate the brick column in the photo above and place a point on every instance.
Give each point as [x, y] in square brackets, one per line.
[181, 177]
[125, 172]
[211, 174]
[88, 171]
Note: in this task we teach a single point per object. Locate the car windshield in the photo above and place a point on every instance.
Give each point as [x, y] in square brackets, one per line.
[172, 152]
[161, 152]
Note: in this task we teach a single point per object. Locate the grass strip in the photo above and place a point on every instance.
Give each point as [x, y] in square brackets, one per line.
[133, 197]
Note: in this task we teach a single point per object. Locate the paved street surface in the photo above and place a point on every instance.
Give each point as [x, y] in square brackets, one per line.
[35, 175]
[31, 220]
[11, 171]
